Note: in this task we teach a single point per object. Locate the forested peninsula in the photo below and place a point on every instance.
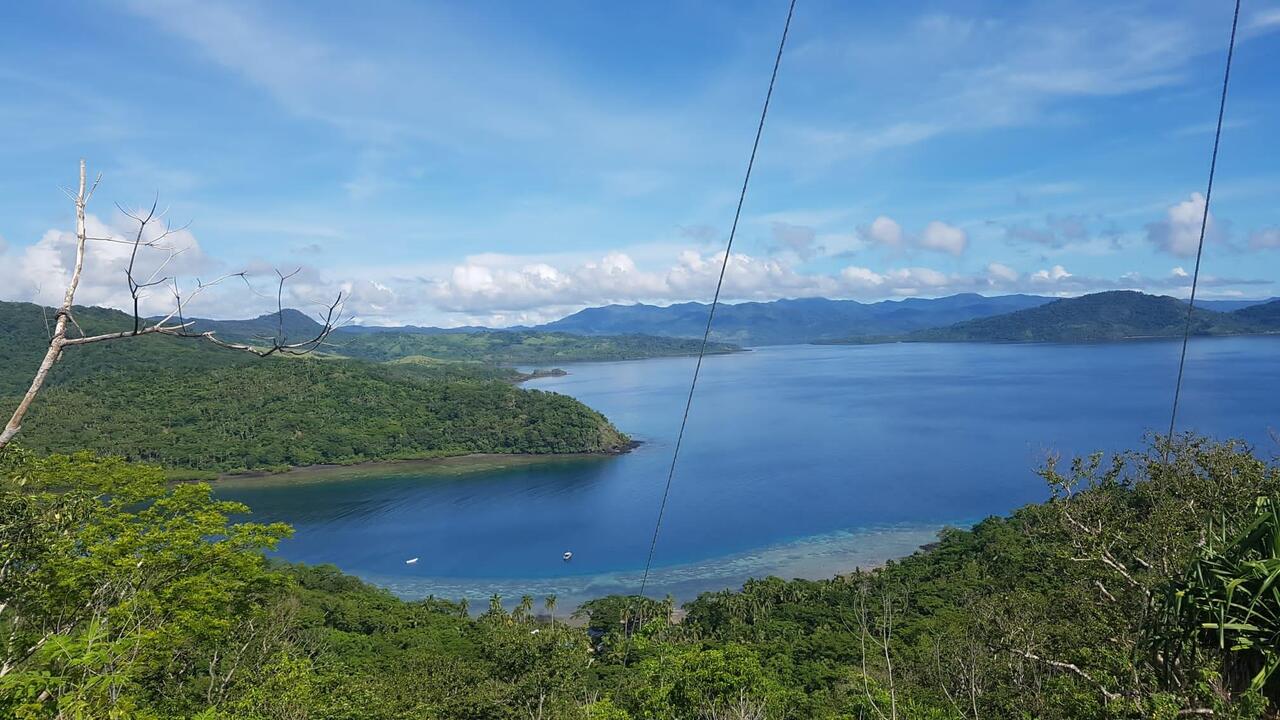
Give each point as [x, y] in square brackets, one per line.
[194, 407]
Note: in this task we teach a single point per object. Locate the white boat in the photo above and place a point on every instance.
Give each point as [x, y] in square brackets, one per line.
[411, 561]
[568, 556]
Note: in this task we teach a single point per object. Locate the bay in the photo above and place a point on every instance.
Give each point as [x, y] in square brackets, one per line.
[799, 461]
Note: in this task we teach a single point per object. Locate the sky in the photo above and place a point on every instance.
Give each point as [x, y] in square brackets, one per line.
[511, 162]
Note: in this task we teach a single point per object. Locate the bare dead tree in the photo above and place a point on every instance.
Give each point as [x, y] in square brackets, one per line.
[174, 323]
[744, 707]
[877, 627]
[958, 666]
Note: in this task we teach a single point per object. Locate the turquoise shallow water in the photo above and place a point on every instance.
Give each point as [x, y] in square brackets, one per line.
[799, 461]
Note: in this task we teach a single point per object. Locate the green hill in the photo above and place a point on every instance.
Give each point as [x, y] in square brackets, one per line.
[287, 323]
[514, 347]
[1265, 316]
[186, 404]
[1115, 315]
[475, 345]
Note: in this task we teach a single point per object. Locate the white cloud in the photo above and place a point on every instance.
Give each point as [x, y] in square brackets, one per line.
[1002, 272]
[1179, 272]
[942, 237]
[1179, 233]
[41, 271]
[861, 278]
[1052, 275]
[497, 289]
[885, 231]
[936, 236]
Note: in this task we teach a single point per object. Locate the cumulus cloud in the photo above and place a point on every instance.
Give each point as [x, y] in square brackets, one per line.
[1052, 275]
[937, 236]
[864, 282]
[40, 272]
[486, 284]
[1002, 272]
[496, 289]
[1179, 233]
[861, 278]
[885, 231]
[942, 237]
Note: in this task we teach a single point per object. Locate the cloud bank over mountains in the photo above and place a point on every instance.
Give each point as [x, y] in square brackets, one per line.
[880, 260]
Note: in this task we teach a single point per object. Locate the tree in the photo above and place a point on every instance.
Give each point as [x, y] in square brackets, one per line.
[172, 324]
[1227, 605]
[115, 586]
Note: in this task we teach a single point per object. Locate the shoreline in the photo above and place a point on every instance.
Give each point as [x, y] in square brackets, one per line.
[817, 557]
[468, 462]
[904, 340]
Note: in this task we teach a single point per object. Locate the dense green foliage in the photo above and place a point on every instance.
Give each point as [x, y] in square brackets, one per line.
[514, 347]
[189, 405]
[124, 598]
[1229, 599]
[24, 337]
[1116, 315]
[283, 413]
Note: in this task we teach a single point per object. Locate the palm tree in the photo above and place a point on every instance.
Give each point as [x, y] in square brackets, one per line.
[495, 604]
[464, 605]
[549, 602]
[1228, 599]
[526, 607]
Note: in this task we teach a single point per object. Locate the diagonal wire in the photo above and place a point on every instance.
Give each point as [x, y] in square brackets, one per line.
[711, 313]
[1204, 224]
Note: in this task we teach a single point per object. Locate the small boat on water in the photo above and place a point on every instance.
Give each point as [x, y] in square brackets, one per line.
[411, 561]
[568, 556]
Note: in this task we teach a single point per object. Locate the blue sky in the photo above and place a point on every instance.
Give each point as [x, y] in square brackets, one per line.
[509, 162]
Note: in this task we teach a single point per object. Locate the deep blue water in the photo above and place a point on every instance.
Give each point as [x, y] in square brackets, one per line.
[799, 461]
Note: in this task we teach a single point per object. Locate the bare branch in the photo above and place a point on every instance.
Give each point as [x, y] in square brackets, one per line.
[1073, 669]
[173, 324]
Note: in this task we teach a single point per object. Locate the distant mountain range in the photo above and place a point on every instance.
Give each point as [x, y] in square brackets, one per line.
[784, 322]
[470, 344]
[1116, 315]
[752, 323]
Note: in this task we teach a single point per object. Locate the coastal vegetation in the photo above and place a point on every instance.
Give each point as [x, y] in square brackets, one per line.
[1146, 587]
[195, 408]
[275, 414]
[515, 347]
[1114, 315]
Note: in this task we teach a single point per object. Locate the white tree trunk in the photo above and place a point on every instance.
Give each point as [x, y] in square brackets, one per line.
[60, 326]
